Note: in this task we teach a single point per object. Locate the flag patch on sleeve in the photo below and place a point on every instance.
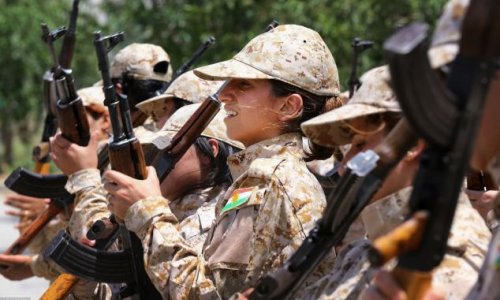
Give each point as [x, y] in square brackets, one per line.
[238, 197]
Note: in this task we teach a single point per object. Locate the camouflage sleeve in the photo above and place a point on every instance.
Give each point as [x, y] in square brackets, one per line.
[90, 201]
[175, 268]
[43, 268]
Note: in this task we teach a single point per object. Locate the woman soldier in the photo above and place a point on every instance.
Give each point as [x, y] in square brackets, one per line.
[364, 122]
[280, 79]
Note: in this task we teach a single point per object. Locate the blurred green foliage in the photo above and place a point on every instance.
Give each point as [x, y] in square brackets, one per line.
[180, 26]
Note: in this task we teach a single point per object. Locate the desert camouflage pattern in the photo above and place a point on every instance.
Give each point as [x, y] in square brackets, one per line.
[444, 45]
[247, 240]
[373, 97]
[458, 271]
[91, 204]
[290, 53]
[188, 87]
[93, 97]
[195, 213]
[487, 287]
[216, 128]
[140, 60]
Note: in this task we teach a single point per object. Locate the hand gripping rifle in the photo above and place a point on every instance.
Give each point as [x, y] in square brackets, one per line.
[365, 174]
[448, 119]
[125, 154]
[358, 46]
[114, 267]
[25, 182]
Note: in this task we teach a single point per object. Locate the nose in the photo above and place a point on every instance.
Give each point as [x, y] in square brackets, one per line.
[225, 94]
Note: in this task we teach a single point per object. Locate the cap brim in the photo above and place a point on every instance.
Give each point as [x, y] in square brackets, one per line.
[326, 129]
[230, 69]
[142, 105]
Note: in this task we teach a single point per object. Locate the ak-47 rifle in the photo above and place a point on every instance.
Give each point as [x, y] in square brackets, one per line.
[448, 119]
[58, 201]
[25, 182]
[113, 267]
[358, 46]
[70, 110]
[41, 151]
[365, 174]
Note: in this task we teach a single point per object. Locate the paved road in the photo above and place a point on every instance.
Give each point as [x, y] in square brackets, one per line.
[31, 288]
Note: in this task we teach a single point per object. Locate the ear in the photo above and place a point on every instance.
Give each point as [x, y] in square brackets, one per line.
[415, 152]
[214, 144]
[291, 107]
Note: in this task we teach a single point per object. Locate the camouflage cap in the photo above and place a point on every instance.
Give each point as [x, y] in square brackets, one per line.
[143, 62]
[188, 87]
[444, 45]
[374, 96]
[93, 97]
[290, 53]
[216, 128]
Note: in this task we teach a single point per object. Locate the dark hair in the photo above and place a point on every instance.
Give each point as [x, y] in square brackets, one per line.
[218, 169]
[179, 102]
[314, 105]
[138, 90]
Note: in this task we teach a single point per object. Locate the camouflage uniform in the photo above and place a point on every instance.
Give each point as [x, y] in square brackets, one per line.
[93, 98]
[269, 224]
[456, 274]
[487, 287]
[274, 200]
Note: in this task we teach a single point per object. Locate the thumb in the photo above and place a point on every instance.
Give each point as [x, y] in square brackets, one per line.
[152, 176]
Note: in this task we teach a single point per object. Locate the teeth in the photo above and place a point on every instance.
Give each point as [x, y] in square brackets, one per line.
[231, 113]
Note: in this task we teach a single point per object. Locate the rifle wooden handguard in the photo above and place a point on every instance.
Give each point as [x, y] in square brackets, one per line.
[61, 287]
[403, 239]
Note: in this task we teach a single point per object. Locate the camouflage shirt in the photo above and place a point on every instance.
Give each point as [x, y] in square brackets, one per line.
[456, 274]
[195, 213]
[90, 201]
[262, 219]
[487, 286]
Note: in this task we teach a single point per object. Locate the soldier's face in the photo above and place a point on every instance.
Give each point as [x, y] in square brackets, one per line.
[253, 111]
[488, 140]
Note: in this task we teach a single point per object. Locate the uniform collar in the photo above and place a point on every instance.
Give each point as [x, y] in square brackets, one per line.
[285, 143]
[385, 214]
